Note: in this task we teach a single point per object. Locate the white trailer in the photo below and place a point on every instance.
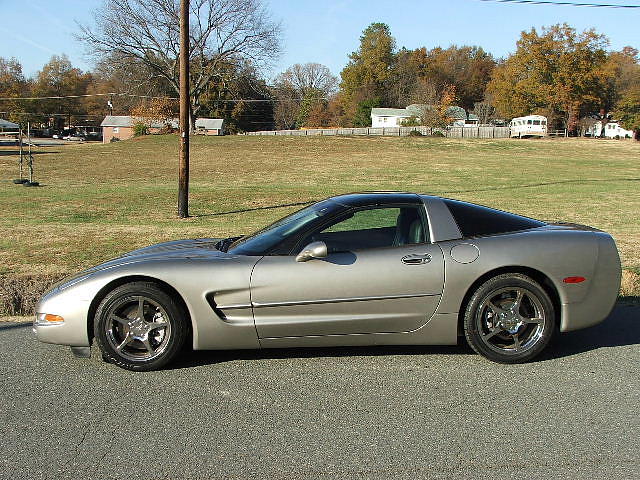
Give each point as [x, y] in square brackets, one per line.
[529, 126]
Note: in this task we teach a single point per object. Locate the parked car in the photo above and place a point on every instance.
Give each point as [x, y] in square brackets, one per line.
[75, 137]
[356, 269]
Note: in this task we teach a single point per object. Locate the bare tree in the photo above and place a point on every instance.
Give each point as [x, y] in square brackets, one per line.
[222, 32]
[484, 111]
[298, 90]
[286, 107]
[308, 78]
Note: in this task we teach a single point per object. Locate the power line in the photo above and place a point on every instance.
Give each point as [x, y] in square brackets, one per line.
[235, 100]
[52, 114]
[63, 97]
[564, 4]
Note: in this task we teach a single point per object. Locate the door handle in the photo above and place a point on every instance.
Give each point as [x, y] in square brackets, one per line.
[416, 259]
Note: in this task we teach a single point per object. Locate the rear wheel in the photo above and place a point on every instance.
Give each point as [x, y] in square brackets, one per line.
[138, 326]
[509, 319]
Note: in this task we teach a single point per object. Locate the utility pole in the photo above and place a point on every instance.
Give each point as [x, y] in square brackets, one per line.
[183, 176]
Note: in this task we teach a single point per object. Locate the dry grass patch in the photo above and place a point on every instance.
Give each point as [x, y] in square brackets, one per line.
[630, 284]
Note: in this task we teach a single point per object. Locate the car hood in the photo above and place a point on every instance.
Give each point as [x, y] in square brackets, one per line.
[177, 249]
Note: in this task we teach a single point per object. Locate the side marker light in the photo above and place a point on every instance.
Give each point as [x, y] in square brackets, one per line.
[574, 280]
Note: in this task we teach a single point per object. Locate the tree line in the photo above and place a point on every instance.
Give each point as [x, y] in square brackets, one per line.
[571, 77]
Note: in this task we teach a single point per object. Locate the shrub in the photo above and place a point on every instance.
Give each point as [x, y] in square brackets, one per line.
[140, 129]
[437, 133]
[20, 293]
[415, 133]
[411, 122]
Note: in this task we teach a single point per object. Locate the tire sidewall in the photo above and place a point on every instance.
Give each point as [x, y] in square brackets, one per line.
[504, 281]
[175, 312]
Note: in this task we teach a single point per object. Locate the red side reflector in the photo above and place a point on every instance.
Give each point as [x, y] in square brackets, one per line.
[574, 280]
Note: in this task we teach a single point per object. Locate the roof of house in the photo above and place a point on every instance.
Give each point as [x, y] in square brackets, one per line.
[117, 121]
[390, 112]
[473, 116]
[209, 123]
[7, 124]
[415, 110]
[129, 121]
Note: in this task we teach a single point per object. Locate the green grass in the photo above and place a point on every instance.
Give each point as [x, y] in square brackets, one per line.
[101, 200]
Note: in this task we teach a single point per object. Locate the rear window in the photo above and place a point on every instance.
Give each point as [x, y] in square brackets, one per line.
[476, 220]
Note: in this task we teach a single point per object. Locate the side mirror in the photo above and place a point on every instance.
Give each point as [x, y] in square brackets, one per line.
[313, 250]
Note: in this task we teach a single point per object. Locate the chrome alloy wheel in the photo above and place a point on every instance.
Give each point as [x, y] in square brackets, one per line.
[138, 328]
[510, 320]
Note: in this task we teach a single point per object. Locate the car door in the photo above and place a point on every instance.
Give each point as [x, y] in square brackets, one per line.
[374, 279]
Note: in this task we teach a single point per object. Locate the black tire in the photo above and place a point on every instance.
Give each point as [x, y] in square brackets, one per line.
[509, 319]
[138, 326]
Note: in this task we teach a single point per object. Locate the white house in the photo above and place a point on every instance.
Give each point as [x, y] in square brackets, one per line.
[612, 130]
[209, 126]
[394, 117]
[391, 117]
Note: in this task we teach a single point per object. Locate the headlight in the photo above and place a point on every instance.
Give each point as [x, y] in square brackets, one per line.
[48, 319]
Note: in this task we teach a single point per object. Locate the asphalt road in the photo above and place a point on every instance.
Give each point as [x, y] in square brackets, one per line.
[357, 413]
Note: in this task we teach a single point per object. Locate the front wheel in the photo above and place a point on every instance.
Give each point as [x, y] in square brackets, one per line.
[509, 319]
[138, 326]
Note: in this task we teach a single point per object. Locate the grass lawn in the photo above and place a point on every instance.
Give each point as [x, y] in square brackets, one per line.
[98, 201]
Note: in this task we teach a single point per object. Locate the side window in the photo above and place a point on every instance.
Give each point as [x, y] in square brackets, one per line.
[372, 228]
[367, 219]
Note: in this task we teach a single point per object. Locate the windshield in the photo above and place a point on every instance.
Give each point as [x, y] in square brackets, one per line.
[261, 242]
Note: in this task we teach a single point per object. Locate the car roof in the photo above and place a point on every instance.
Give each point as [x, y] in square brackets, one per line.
[372, 198]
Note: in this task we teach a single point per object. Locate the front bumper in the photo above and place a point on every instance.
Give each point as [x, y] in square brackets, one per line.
[74, 330]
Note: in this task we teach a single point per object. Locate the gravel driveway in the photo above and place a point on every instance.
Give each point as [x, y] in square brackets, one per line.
[351, 413]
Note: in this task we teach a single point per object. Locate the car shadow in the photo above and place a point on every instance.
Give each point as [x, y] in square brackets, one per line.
[254, 209]
[619, 329]
[12, 325]
[16, 153]
[200, 358]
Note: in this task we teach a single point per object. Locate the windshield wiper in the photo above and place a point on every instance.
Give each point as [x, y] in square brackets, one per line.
[224, 244]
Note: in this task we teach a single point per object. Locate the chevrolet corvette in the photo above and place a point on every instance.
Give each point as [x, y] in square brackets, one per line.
[378, 268]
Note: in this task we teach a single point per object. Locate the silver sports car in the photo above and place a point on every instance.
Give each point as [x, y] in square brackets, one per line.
[360, 269]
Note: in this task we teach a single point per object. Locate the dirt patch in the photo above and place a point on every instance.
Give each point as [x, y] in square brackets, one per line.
[20, 293]
[630, 284]
[28, 319]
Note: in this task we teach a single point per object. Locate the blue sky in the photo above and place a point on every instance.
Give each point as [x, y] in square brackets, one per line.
[327, 31]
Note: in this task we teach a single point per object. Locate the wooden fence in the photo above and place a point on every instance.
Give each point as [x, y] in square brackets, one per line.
[470, 131]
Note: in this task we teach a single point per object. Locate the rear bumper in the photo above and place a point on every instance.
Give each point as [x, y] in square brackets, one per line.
[602, 294]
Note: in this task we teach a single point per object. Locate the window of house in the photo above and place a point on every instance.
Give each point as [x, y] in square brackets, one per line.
[116, 129]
